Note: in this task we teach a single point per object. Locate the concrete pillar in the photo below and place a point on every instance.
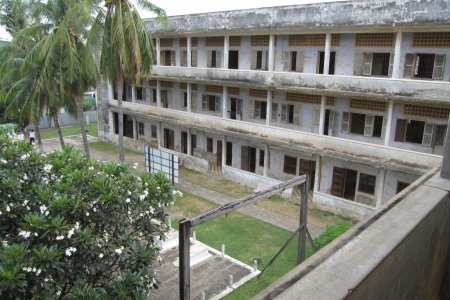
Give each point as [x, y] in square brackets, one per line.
[380, 187]
[224, 150]
[397, 55]
[111, 123]
[323, 101]
[271, 52]
[189, 54]
[189, 142]
[224, 102]
[189, 100]
[269, 107]
[159, 128]
[445, 171]
[318, 174]
[135, 132]
[158, 93]
[158, 52]
[326, 59]
[387, 134]
[266, 160]
[133, 92]
[226, 48]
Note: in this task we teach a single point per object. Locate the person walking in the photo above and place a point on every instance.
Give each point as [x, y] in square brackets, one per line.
[32, 136]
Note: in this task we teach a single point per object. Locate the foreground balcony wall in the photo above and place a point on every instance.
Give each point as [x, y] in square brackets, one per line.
[373, 155]
[332, 85]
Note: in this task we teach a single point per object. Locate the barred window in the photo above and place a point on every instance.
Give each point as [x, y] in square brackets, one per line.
[426, 111]
[305, 98]
[258, 93]
[368, 105]
[260, 40]
[431, 39]
[374, 40]
[312, 40]
[214, 41]
[166, 42]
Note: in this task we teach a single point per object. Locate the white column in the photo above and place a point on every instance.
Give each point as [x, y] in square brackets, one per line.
[111, 123]
[397, 55]
[387, 134]
[266, 160]
[189, 100]
[326, 59]
[189, 54]
[133, 92]
[318, 174]
[224, 102]
[158, 93]
[323, 101]
[134, 129]
[380, 187]
[269, 107]
[271, 52]
[224, 150]
[189, 142]
[158, 52]
[226, 49]
[159, 134]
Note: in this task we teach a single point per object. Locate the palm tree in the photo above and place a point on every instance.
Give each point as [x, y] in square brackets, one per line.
[127, 49]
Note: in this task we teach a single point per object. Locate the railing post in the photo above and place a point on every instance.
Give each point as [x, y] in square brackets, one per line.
[445, 171]
[303, 221]
[184, 258]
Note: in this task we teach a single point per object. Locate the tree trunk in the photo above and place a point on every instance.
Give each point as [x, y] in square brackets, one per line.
[54, 115]
[119, 83]
[80, 116]
[38, 137]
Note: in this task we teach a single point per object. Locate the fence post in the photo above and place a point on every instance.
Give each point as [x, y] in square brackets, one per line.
[184, 258]
[303, 222]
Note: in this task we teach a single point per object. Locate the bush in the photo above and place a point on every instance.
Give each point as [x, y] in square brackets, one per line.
[331, 232]
[77, 228]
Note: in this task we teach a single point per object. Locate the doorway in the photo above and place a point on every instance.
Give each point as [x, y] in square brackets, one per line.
[229, 154]
[330, 66]
[219, 153]
[248, 159]
[233, 59]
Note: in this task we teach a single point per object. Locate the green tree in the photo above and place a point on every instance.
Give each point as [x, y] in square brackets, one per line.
[127, 49]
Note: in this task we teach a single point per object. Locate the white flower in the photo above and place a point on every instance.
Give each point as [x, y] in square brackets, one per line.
[141, 197]
[58, 293]
[35, 234]
[25, 202]
[129, 193]
[59, 237]
[100, 255]
[159, 258]
[94, 209]
[38, 272]
[5, 244]
[77, 225]
[91, 168]
[25, 177]
[47, 168]
[0, 212]
[70, 250]
[70, 233]
[3, 160]
[87, 214]
[25, 234]
[128, 200]
[118, 251]
[7, 208]
[42, 208]
[158, 188]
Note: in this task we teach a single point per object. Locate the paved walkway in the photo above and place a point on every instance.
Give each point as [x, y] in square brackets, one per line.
[255, 211]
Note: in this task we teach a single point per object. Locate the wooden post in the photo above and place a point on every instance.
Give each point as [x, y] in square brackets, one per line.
[184, 258]
[303, 223]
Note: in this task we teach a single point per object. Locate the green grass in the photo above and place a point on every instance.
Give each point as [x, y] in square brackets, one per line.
[245, 239]
[110, 148]
[67, 131]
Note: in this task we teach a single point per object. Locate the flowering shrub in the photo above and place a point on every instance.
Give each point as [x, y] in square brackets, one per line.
[77, 228]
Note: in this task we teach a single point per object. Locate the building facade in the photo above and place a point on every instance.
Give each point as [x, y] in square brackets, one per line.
[355, 94]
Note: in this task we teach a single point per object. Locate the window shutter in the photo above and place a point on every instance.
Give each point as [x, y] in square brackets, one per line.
[297, 114]
[408, 72]
[254, 56]
[367, 64]
[193, 101]
[428, 131]
[438, 69]
[331, 123]
[251, 107]
[204, 102]
[217, 104]
[368, 125]
[299, 61]
[244, 158]
[286, 59]
[391, 64]
[144, 94]
[163, 58]
[172, 58]
[218, 59]
[274, 112]
[345, 122]
[358, 63]
[194, 58]
[264, 60]
[183, 59]
[383, 127]
[284, 113]
[257, 112]
[208, 58]
[400, 130]
[337, 186]
[316, 120]
[239, 106]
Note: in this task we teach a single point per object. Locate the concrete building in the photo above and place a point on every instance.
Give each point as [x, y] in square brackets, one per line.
[355, 94]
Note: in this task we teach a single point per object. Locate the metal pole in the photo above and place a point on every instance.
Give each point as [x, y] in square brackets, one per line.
[184, 256]
[303, 222]
[445, 171]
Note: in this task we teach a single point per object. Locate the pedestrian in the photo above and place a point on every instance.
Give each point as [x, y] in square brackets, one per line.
[31, 137]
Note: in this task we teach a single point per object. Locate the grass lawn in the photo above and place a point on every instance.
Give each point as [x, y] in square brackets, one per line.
[66, 131]
[245, 239]
[110, 148]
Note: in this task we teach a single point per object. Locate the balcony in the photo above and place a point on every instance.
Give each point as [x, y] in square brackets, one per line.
[370, 154]
[432, 92]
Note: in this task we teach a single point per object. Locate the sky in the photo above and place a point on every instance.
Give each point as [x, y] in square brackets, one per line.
[183, 7]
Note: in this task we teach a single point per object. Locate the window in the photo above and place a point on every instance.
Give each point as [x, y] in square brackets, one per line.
[169, 138]
[167, 58]
[424, 65]
[345, 182]
[290, 165]
[140, 93]
[373, 64]
[127, 125]
[214, 59]
[211, 103]
[164, 99]
[417, 132]
[185, 99]
[260, 110]
[209, 145]
[154, 97]
[193, 143]
[367, 125]
[140, 128]
[322, 62]
[259, 60]
[154, 132]
[366, 183]
[293, 61]
[233, 59]
[287, 113]
[261, 158]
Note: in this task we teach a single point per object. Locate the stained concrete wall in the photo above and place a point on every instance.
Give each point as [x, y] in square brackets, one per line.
[398, 253]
